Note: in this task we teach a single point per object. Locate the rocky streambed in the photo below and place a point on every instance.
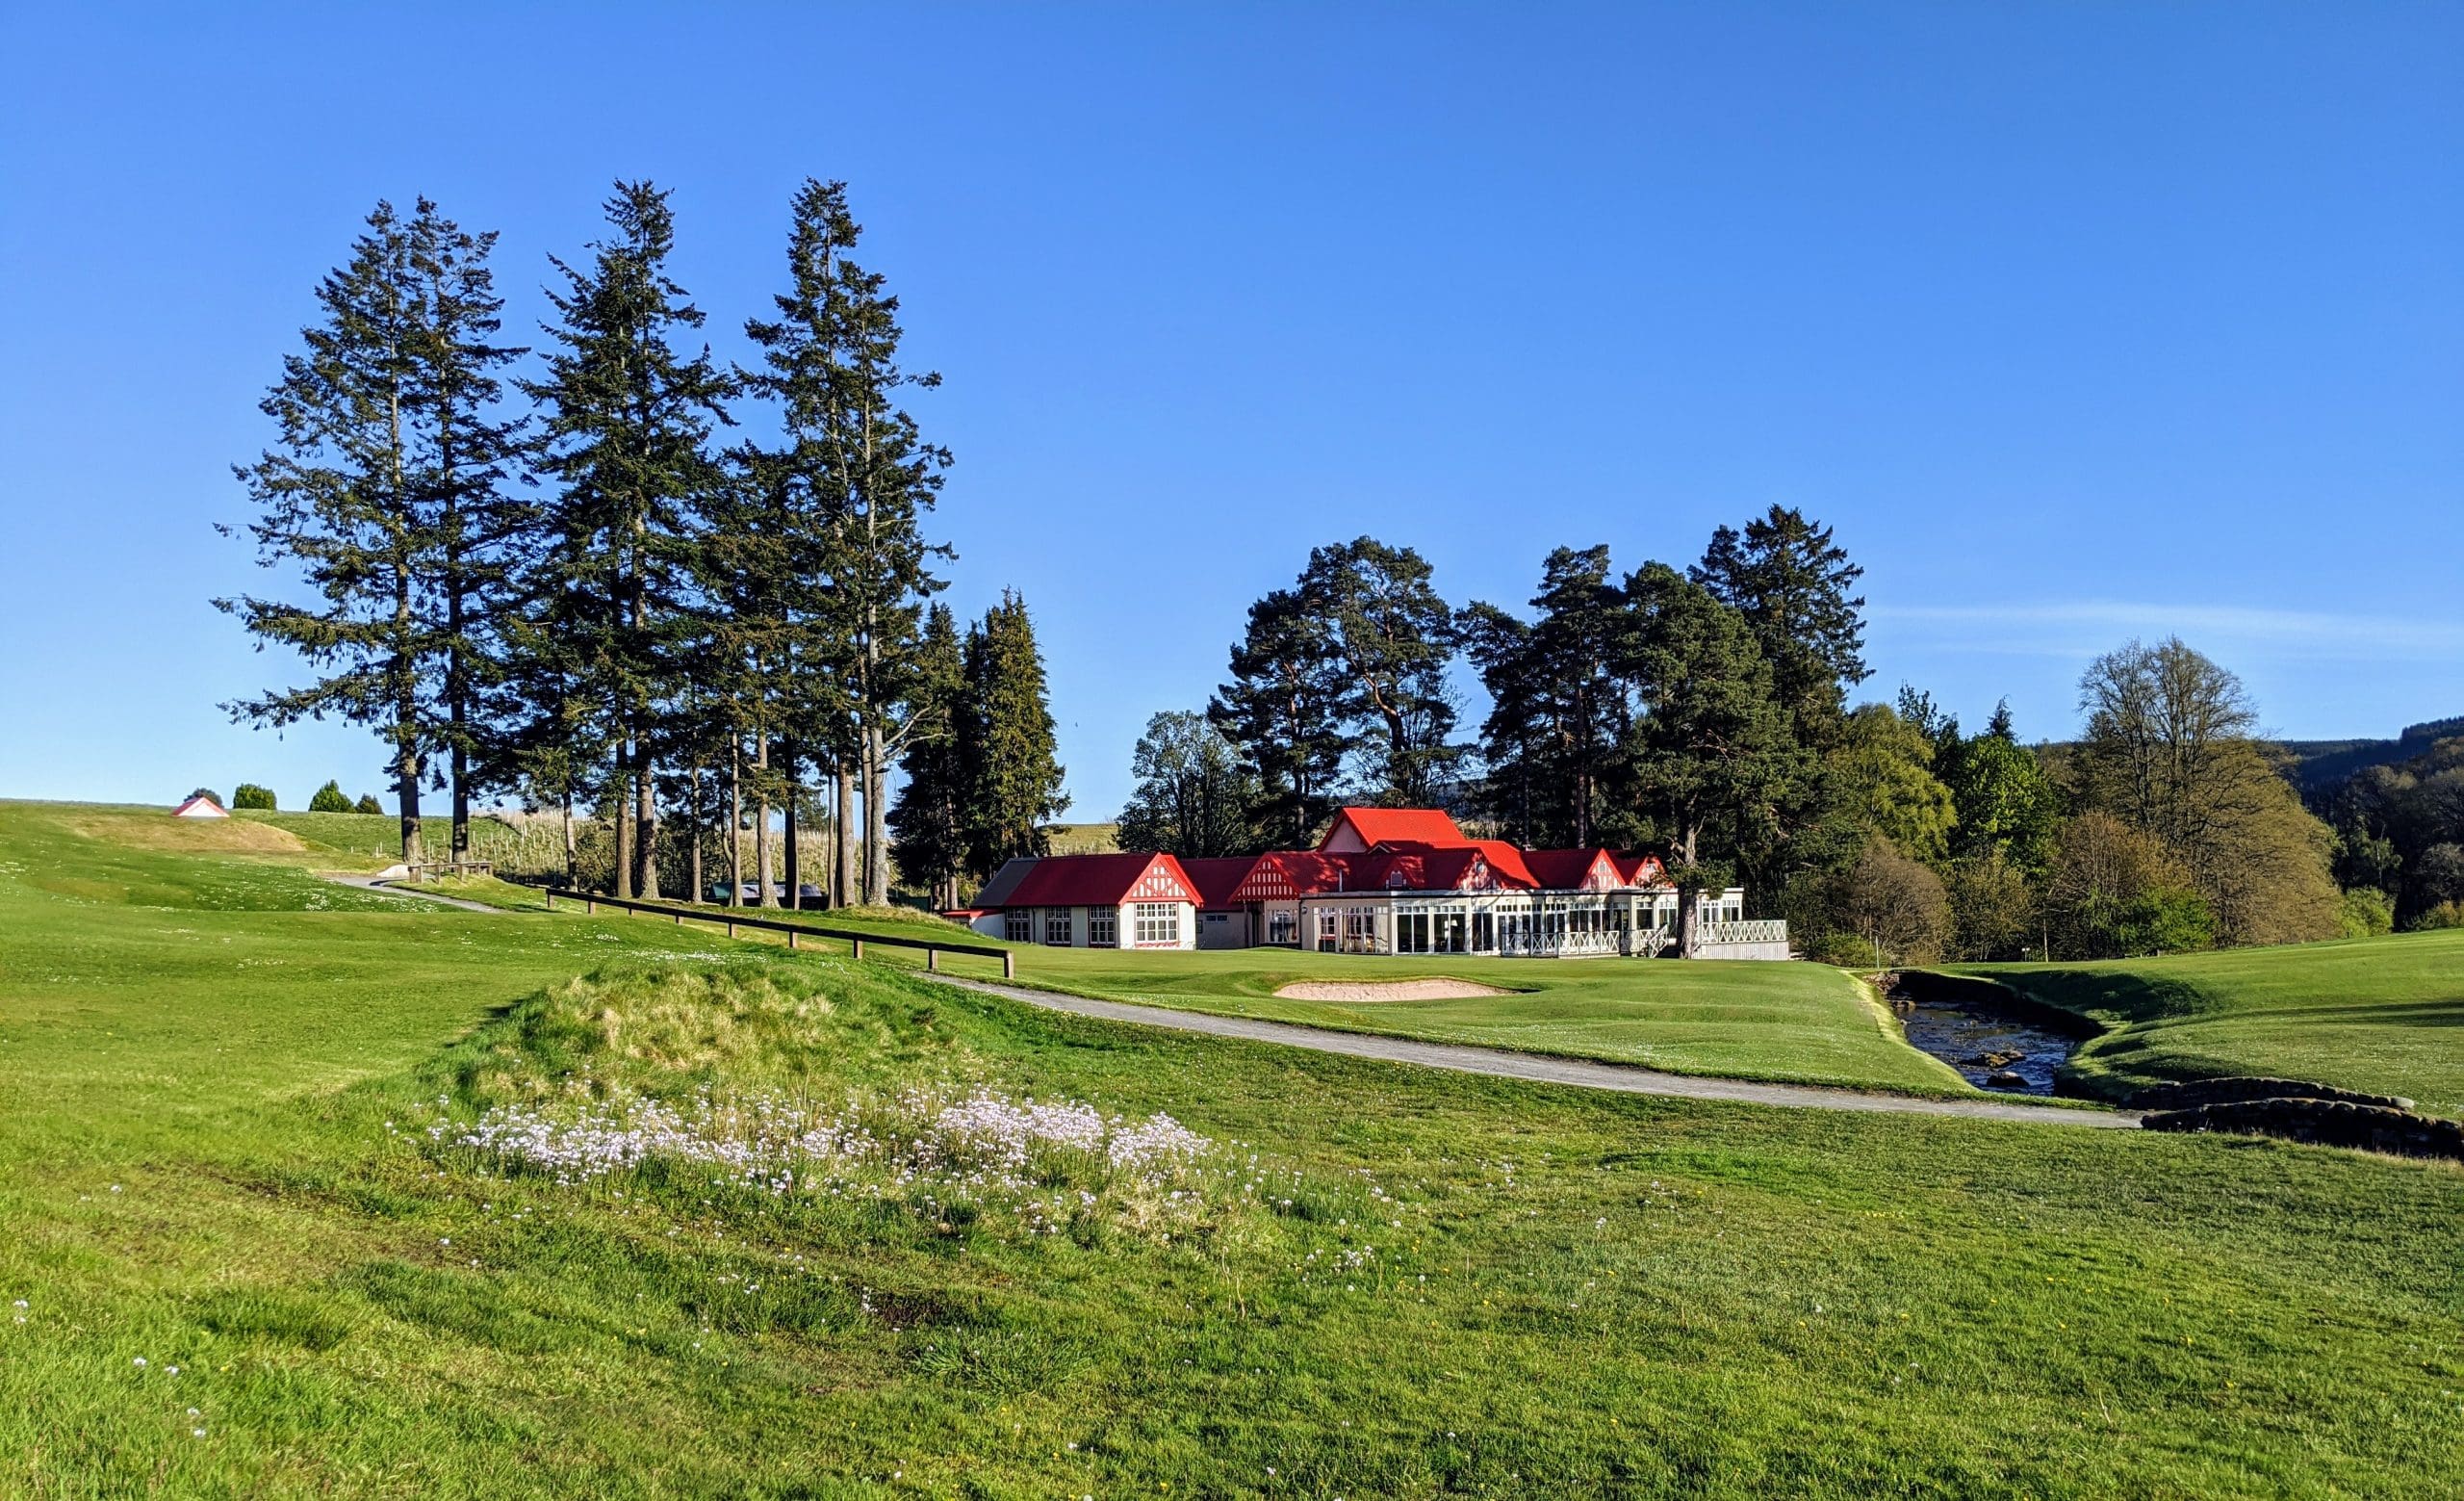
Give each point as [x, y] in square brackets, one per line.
[1995, 1045]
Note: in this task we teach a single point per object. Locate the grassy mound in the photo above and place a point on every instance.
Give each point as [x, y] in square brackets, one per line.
[2380, 1015]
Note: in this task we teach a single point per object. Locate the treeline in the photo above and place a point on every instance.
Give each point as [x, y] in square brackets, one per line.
[1707, 713]
[622, 579]
[2399, 834]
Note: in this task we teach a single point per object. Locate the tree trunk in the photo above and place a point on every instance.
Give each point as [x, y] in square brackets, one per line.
[762, 819]
[572, 854]
[735, 821]
[795, 869]
[620, 819]
[693, 879]
[876, 821]
[646, 832]
[406, 782]
[842, 882]
[1689, 898]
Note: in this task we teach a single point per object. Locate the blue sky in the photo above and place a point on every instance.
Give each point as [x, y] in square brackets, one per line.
[2078, 321]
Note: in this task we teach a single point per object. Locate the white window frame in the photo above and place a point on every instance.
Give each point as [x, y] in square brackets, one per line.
[1062, 918]
[1019, 926]
[1103, 927]
[1159, 925]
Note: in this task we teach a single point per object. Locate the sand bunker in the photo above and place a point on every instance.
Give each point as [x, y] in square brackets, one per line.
[1387, 989]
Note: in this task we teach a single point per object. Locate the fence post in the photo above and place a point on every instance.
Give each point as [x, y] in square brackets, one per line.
[791, 938]
[730, 927]
[1008, 964]
[590, 909]
[860, 947]
[552, 900]
[931, 961]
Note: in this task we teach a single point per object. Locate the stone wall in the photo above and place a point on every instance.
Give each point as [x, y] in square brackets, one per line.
[2190, 1093]
[2324, 1123]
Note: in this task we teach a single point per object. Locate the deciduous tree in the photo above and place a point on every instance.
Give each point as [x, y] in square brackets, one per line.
[1194, 798]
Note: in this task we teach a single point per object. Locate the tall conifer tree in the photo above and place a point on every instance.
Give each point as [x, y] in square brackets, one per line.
[1282, 709]
[1710, 758]
[628, 418]
[831, 360]
[1013, 774]
[389, 483]
[466, 451]
[928, 825]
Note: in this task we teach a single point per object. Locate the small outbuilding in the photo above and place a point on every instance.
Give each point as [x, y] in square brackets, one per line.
[199, 807]
[1090, 901]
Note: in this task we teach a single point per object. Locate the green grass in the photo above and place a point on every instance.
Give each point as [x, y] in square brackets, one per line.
[1793, 1023]
[376, 839]
[1570, 1293]
[2383, 1014]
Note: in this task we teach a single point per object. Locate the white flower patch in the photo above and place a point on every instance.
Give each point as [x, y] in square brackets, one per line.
[927, 1149]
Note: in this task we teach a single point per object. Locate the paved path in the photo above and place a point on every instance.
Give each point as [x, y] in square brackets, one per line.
[1502, 1064]
[382, 888]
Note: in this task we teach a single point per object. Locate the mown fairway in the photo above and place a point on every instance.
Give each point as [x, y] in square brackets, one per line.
[2383, 1014]
[214, 1074]
[1796, 1023]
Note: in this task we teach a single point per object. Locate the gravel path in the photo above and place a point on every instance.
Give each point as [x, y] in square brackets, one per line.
[370, 883]
[1502, 1064]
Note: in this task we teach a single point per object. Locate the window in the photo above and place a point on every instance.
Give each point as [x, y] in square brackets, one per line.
[1283, 927]
[1159, 923]
[1360, 930]
[1103, 927]
[1484, 937]
[1411, 933]
[1019, 927]
[1326, 921]
[1056, 927]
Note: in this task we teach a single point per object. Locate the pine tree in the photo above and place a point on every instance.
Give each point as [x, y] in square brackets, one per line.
[329, 798]
[831, 360]
[466, 450]
[1281, 709]
[1391, 637]
[1790, 580]
[1013, 773]
[927, 827]
[337, 497]
[1557, 714]
[1710, 759]
[627, 419]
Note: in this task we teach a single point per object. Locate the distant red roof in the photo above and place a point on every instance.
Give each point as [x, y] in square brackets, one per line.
[1358, 829]
[1389, 868]
[1097, 881]
[1216, 879]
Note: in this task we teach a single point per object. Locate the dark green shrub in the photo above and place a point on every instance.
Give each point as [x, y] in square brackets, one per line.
[329, 798]
[368, 803]
[248, 795]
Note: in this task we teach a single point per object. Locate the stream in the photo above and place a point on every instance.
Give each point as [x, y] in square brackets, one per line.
[1993, 1047]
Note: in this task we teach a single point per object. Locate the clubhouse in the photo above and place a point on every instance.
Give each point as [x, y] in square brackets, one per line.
[1382, 881]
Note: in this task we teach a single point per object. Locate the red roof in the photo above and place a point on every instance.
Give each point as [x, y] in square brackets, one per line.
[1376, 826]
[1216, 879]
[1100, 881]
[1576, 869]
[1641, 869]
[1389, 868]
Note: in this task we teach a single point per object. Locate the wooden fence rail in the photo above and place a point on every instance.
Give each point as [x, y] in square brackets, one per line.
[734, 918]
